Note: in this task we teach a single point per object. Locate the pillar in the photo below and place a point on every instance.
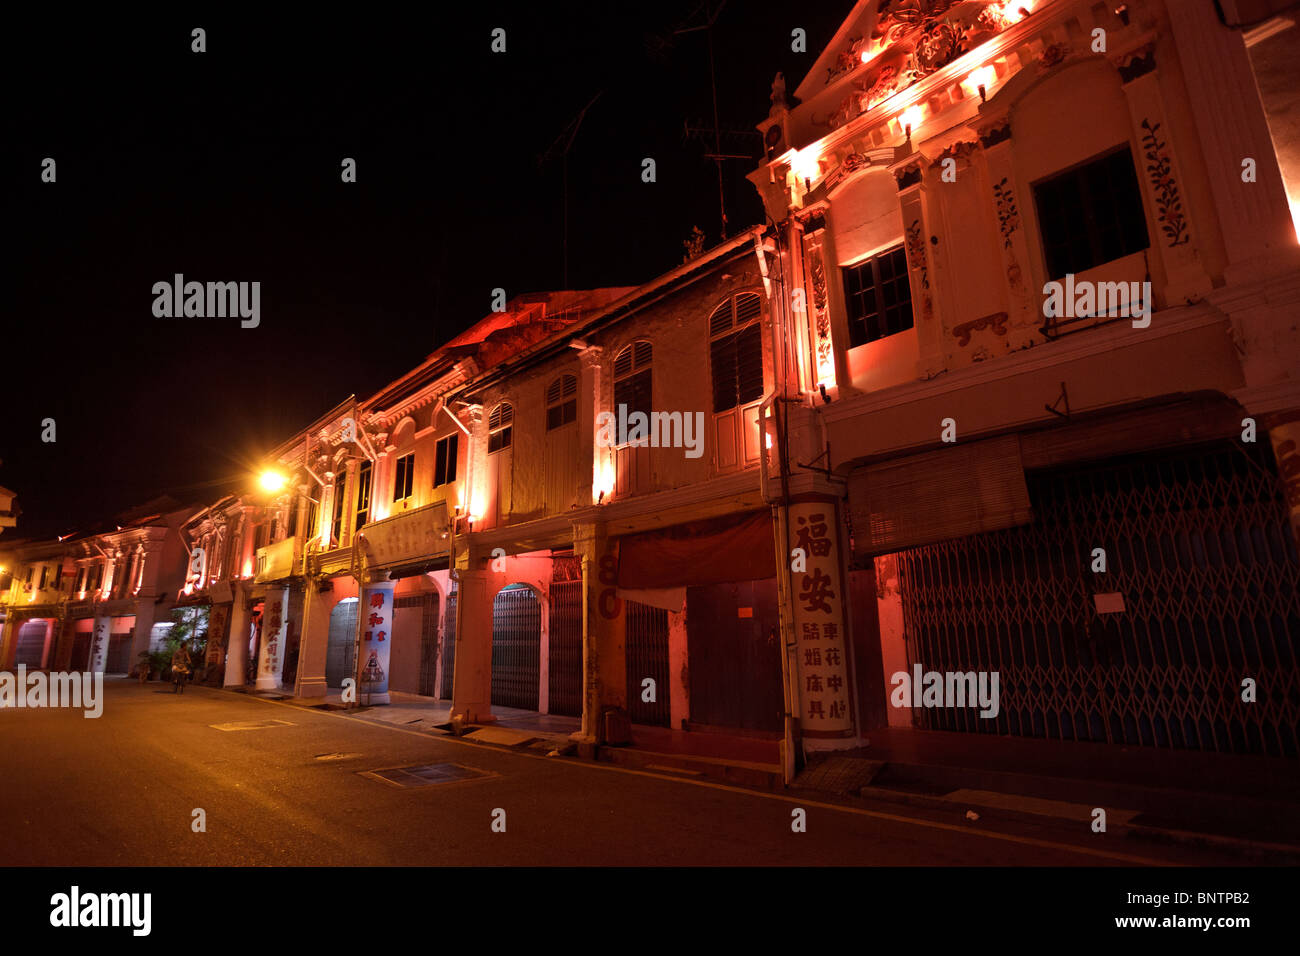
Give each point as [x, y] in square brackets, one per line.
[275, 620]
[604, 658]
[893, 650]
[99, 638]
[1175, 236]
[818, 597]
[679, 691]
[472, 678]
[313, 642]
[1258, 234]
[375, 621]
[145, 612]
[237, 649]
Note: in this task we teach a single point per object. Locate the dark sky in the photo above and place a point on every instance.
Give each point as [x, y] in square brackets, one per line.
[224, 166]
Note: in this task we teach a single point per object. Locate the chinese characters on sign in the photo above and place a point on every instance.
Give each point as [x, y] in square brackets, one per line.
[819, 621]
[376, 639]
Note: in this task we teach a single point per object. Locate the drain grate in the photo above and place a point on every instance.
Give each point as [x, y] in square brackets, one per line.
[252, 724]
[427, 775]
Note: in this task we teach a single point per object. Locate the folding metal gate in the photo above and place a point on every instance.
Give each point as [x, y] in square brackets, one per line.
[516, 648]
[340, 652]
[564, 637]
[1198, 546]
[118, 660]
[564, 650]
[448, 647]
[427, 602]
[647, 656]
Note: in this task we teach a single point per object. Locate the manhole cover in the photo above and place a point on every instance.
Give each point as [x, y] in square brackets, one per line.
[427, 775]
[252, 724]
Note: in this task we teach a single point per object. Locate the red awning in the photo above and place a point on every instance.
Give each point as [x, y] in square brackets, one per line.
[714, 551]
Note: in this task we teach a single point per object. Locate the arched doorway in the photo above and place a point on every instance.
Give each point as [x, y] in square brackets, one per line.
[516, 647]
[340, 653]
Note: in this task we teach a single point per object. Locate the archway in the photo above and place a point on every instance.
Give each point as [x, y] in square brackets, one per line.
[516, 647]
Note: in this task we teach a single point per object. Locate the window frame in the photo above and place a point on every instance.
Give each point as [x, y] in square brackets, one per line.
[731, 338]
[504, 413]
[565, 400]
[446, 451]
[403, 477]
[875, 325]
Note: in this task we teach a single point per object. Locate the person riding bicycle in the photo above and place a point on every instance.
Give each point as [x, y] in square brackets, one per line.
[180, 668]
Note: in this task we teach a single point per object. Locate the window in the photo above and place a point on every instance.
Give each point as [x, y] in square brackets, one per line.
[404, 477]
[79, 585]
[262, 537]
[500, 425]
[293, 517]
[632, 378]
[1091, 214]
[310, 530]
[45, 571]
[31, 571]
[340, 499]
[736, 352]
[97, 576]
[561, 402]
[363, 494]
[444, 469]
[878, 297]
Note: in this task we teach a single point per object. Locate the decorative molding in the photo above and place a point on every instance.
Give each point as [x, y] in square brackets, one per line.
[998, 132]
[909, 175]
[1164, 186]
[996, 323]
[1139, 62]
[1008, 215]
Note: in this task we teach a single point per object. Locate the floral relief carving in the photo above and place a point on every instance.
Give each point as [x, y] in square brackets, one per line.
[1168, 202]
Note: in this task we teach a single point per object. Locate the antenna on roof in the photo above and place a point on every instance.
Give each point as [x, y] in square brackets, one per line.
[567, 137]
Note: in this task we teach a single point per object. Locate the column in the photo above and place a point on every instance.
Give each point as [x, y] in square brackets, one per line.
[237, 652]
[1175, 236]
[313, 642]
[604, 658]
[916, 244]
[99, 638]
[825, 712]
[145, 612]
[275, 618]
[679, 692]
[589, 382]
[472, 677]
[1023, 313]
[375, 620]
[1258, 235]
[893, 650]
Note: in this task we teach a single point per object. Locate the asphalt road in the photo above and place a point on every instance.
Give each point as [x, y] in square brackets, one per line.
[122, 789]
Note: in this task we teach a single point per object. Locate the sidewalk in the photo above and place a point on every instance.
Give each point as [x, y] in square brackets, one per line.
[1249, 803]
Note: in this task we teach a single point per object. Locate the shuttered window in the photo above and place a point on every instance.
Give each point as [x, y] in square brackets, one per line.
[500, 427]
[561, 402]
[736, 352]
[632, 378]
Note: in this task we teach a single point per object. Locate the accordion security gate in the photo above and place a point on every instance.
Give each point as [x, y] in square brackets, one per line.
[1199, 548]
[516, 648]
[448, 647]
[564, 649]
[647, 656]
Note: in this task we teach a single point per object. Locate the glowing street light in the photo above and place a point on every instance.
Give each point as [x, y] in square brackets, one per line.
[272, 480]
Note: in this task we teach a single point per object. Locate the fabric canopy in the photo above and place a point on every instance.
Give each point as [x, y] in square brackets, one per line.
[714, 551]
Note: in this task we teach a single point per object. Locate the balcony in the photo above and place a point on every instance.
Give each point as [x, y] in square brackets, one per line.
[278, 561]
[413, 537]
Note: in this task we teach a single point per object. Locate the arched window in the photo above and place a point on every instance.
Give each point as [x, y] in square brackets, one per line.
[500, 424]
[736, 351]
[561, 402]
[632, 378]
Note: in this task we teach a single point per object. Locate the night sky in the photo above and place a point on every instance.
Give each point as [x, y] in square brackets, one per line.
[225, 166]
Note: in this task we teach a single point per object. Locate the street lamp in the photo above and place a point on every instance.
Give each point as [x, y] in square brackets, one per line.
[271, 480]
